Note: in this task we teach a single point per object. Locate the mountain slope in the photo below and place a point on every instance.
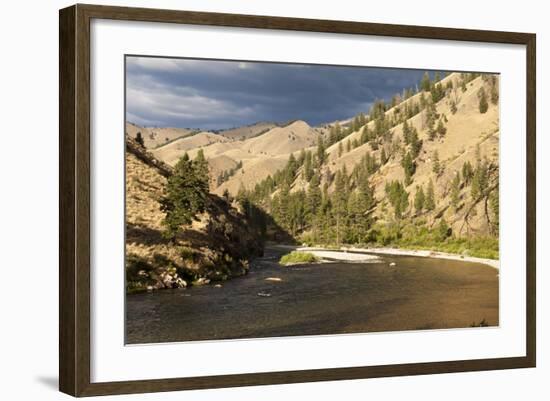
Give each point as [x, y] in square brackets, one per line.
[374, 181]
[216, 247]
[466, 129]
[155, 137]
[247, 131]
[243, 162]
[171, 152]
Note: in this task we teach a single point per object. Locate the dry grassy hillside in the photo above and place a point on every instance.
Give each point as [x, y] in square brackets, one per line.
[253, 171]
[260, 155]
[171, 152]
[155, 137]
[466, 130]
[282, 140]
[216, 247]
[247, 131]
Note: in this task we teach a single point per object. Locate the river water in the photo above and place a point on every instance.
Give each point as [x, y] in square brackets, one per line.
[328, 298]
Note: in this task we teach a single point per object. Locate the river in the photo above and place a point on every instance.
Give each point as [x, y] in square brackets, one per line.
[327, 298]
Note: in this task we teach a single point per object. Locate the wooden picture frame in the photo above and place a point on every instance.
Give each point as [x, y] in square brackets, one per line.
[74, 203]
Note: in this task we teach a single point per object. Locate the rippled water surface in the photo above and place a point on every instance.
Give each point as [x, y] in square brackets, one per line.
[330, 298]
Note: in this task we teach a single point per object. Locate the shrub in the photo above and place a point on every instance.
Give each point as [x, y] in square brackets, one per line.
[483, 104]
[296, 257]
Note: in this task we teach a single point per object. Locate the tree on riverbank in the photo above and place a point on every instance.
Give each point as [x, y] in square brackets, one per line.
[186, 193]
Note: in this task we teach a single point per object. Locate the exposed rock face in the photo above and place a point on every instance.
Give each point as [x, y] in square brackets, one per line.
[216, 247]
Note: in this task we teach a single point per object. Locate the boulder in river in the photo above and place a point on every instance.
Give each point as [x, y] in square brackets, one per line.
[181, 283]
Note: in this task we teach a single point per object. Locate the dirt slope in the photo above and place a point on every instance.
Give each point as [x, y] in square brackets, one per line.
[216, 247]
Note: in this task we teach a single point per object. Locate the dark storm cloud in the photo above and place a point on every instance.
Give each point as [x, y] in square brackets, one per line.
[221, 94]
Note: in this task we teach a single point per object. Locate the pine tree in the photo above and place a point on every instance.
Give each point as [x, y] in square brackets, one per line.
[483, 105]
[431, 117]
[478, 155]
[301, 157]
[201, 165]
[362, 119]
[479, 181]
[283, 213]
[139, 140]
[226, 195]
[425, 84]
[340, 149]
[436, 165]
[475, 191]
[408, 167]
[442, 230]
[340, 202]
[321, 155]
[332, 138]
[313, 196]
[398, 197]
[365, 135]
[354, 213]
[429, 203]
[355, 123]
[441, 130]
[467, 172]
[337, 131]
[406, 132]
[348, 146]
[416, 144]
[186, 193]
[308, 166]
[297, 211]
[291, 169]
[419, 199]
[455, 190]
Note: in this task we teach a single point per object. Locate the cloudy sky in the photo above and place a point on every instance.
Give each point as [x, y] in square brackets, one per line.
[208, 94]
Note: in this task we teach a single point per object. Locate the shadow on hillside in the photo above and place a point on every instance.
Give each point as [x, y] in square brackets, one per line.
[143, 235]
[225, 229]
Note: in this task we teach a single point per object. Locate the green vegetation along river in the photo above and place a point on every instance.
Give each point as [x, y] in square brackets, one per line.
[323, 298]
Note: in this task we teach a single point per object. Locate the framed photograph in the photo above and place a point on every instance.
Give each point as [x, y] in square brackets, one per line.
[250, 200]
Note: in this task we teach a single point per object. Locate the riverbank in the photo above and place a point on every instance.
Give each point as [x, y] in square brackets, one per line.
[359, 254]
